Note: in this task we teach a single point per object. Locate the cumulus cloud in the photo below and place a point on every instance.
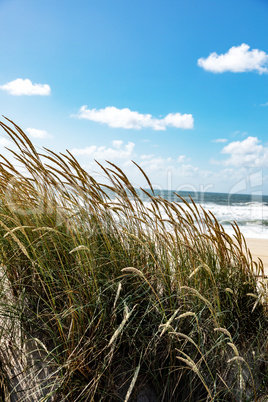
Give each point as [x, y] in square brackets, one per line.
[36, 133]
[246, 153]
[25, 87]
[117, 152]
[238, 59]
[128, 119]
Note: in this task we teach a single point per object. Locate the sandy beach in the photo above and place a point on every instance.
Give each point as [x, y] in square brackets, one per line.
[259, 248]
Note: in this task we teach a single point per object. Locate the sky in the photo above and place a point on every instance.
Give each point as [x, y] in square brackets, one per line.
[178, 86]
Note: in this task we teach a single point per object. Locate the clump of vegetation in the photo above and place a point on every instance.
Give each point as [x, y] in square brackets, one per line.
[116, 296]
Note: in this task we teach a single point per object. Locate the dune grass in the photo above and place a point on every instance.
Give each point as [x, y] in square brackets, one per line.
[120, 295]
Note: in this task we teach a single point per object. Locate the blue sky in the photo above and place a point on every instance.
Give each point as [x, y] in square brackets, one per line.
[181, 87]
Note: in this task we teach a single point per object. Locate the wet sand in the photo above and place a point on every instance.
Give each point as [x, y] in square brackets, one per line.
[259, 248]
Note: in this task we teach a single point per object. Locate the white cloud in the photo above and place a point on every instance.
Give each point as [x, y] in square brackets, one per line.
[25, 87]
[156, 164]
[181, 158]
[178, 120]
[220, 140]
[238, 59]
[117, 152]
[128, 119]
[36, 133]
[146, 157]
[128, 163]
[246, 153]
[189, 170]
[117, 143]
[264, 104]
[4, 142]
[159, 165]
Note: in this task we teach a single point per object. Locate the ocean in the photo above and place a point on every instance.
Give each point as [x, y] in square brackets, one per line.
[250, 212]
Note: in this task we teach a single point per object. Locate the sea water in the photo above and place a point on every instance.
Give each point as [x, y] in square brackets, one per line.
[250, 212]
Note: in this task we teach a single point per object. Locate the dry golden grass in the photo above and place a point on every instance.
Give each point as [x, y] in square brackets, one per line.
[122, 293]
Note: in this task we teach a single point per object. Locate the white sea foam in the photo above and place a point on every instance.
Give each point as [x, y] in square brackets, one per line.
[250, 214]
[251, 217]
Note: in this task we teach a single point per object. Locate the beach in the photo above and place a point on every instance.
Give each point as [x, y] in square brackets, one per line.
[259, 248]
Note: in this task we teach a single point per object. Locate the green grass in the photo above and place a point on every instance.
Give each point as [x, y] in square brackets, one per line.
[119, 295]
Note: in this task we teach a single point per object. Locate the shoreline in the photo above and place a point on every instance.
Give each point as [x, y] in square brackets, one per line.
[259, 248]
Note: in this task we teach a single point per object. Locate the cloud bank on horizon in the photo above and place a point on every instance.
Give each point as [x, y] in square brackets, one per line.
[238, 59]
[128, 119]
[20, 87]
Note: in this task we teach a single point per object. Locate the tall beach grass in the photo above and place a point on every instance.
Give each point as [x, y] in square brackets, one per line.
[116, 296]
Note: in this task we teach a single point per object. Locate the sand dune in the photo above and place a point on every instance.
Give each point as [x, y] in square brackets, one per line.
[259, 248]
